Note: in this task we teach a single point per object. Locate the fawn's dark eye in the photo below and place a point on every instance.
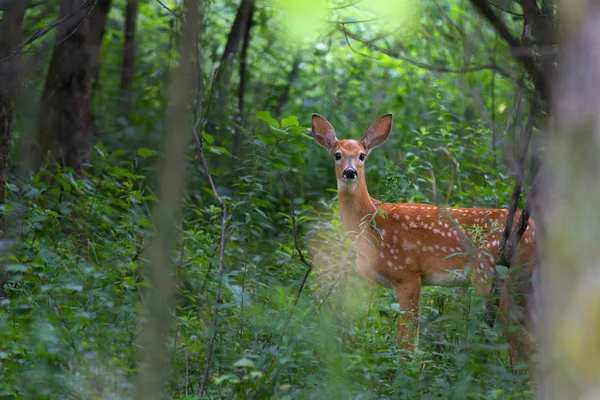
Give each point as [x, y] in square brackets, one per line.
[361, 157]
[338, 156]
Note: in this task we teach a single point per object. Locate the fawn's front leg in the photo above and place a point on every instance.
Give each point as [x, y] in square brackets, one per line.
[409, 292]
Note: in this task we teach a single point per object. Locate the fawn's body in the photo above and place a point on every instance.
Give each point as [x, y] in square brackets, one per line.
[409, 245]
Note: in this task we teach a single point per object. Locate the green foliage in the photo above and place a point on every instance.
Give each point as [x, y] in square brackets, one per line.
[72, 306]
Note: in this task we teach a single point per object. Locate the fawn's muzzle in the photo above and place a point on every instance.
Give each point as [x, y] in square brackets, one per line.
[349, 173]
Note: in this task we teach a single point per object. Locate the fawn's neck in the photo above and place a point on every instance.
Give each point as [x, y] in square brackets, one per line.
[355, 204]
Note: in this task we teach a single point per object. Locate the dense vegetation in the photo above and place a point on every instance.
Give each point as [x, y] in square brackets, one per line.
[77, 242]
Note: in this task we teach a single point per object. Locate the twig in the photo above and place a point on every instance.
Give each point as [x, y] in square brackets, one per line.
[417, 63]
[309, 266]
[168, 9]
[318, 308]
[345, 5]
[350, 45]
[504, 9]
[451, 21]
[532, 69]
[511, 236]
[224, 236]
[41, 32]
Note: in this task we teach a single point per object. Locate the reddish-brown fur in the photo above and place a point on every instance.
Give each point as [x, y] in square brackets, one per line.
[409, 245]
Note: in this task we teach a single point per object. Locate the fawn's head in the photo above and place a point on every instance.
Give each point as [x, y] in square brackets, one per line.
[350, 155]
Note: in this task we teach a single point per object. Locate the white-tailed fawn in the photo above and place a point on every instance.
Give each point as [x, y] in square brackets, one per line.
[408, 245]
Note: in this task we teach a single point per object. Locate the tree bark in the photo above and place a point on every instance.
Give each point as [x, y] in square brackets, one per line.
[243, 80]
[128, 69]
[65, 130]
[570, 345]
[285, 96]
[10, 38]
[526, 58]
[218, 114]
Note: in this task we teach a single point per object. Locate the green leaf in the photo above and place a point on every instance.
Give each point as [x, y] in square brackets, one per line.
[219, 150]
[224, 378]
[289, 121]
[244, 362]
[502, 271]
[15, 268]
[266, 116]
[145, 152]
[467, 269]
[209, 138]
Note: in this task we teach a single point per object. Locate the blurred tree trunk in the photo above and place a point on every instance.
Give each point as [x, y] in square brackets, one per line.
[243, 79]
[128, 69]
[10, 37]
[153, 342]
[65, 128]
[285, 95]
[218, 114]
[570, 352]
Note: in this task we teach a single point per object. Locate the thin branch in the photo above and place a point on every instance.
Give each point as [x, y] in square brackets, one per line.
[527, 61]
[511, 236]
[41, 32]
[419, 64]
[5, 4]
[309, 266]
[352, 48]
[223, 240]
[504, 9]
[163, 5]
[450, 21]
[345, 5]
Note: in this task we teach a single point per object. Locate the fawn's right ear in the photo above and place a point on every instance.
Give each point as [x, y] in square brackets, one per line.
[323, 132]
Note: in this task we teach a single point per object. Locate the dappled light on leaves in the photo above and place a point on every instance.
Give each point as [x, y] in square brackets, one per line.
[302, 21]
[393, 14]
[307, 21]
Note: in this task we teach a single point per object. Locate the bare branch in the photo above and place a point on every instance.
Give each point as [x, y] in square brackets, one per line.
[532, 69]
[345, 5]
[419, 64]
[309, 266]
[351, 48]
[511, 236]
[223, 239]
[163, 5]
[491, 3]
[41, 32]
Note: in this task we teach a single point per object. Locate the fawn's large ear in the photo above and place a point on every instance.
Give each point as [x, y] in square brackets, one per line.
[323, 132]
[378, 132]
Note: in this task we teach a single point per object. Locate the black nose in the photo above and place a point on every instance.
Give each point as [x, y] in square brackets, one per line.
[349, 173]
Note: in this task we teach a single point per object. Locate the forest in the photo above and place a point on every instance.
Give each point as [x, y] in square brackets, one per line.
[170, 224]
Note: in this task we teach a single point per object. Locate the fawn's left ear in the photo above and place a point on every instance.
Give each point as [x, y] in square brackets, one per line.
[378, 132]
[323, 132]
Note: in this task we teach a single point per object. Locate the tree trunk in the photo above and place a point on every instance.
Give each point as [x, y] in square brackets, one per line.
[128, 69]
[155, 355]
[285, 95]
[243, 80]
[65, 130]
[570, 345]
[10, 38]
[218, 114]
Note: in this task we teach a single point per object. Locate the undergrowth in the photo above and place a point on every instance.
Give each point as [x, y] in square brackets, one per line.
[72, 307]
